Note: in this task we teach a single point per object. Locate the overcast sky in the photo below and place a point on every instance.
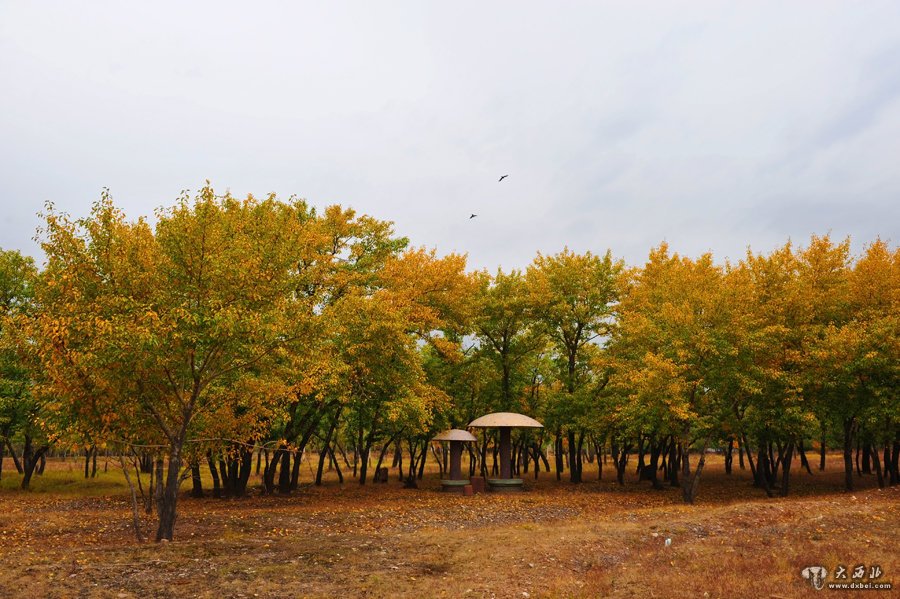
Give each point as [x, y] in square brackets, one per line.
[710, 125]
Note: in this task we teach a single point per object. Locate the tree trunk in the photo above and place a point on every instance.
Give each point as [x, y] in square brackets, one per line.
[323, 453]
[822, 452]
[30, 460]
[424, 458]
[384, 450]
[157, 484]
[524, 458]
[620, 460]
[151, 490]
[535, 455]
[746, 446]
[514, 459]
[227, 478]
[691, 483]
[729, 455]
[295, 469]
[30, 467]
[574, 472]
[410, 481]
[685, 473]
[217, 489]
[243, 473]
[775, 463]
[804, 463]
[269, 470]
[169, 500]
[640, 470]
[887, 461]
[337, 467]
[146, 461]
[135, 517]
[762, 470]
[284, 472]
[877, 462]
[895, 463]
[867, 458]
[848, 453]
[674, 452]
[786, 468]
[357, 446]
[234, 463]
[197, 490]
[15, 458]
[558, 451]
[579, 456]
[398, 456]
[655, 448]
[364, 461]
[495, 468]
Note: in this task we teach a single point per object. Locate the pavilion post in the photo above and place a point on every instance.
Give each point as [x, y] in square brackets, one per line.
[456, 448]
[505, 452]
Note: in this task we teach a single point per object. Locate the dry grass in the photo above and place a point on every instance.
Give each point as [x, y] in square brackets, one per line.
[65, 539]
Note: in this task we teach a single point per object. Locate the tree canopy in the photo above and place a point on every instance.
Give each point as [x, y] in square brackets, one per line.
[228, 326]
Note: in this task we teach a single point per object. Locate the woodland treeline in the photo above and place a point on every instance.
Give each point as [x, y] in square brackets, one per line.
[233, 328]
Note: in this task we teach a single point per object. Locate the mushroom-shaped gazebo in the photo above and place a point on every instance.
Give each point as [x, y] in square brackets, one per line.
[456, 437]
[505, 421]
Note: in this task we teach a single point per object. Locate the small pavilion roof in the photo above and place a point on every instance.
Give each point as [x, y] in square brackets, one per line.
[511, 419]
[455, 434]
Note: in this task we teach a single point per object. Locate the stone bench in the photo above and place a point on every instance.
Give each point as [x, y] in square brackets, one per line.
[506, 485]
[453, 486]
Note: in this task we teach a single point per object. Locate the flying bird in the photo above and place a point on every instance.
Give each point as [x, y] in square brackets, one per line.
[473, 216]
[502, 178]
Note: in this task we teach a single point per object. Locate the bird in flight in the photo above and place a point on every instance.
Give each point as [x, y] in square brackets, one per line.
[473, 216]
[502, 178]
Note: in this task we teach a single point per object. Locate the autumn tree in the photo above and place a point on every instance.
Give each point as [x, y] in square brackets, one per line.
[854, 360]
[573, 296]
[157, 325]
[507, 333]
[674, 342]
[341, 254]
[20, 410]
[774, 414]
[798, 294]
[506, 337]
[421, 298]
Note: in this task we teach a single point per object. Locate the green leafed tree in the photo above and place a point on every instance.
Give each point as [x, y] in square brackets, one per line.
[573, 296]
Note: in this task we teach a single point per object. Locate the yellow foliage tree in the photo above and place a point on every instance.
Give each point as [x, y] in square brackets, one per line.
[149, 334]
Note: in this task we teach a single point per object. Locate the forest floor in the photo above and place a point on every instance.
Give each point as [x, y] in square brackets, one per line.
[73, 538]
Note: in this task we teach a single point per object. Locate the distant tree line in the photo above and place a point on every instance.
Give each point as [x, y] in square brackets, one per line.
[234, 328]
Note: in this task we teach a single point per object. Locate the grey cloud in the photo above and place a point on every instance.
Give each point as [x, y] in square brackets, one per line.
[711, 126]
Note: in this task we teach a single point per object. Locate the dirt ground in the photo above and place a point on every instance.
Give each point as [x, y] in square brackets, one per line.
[73, 538]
